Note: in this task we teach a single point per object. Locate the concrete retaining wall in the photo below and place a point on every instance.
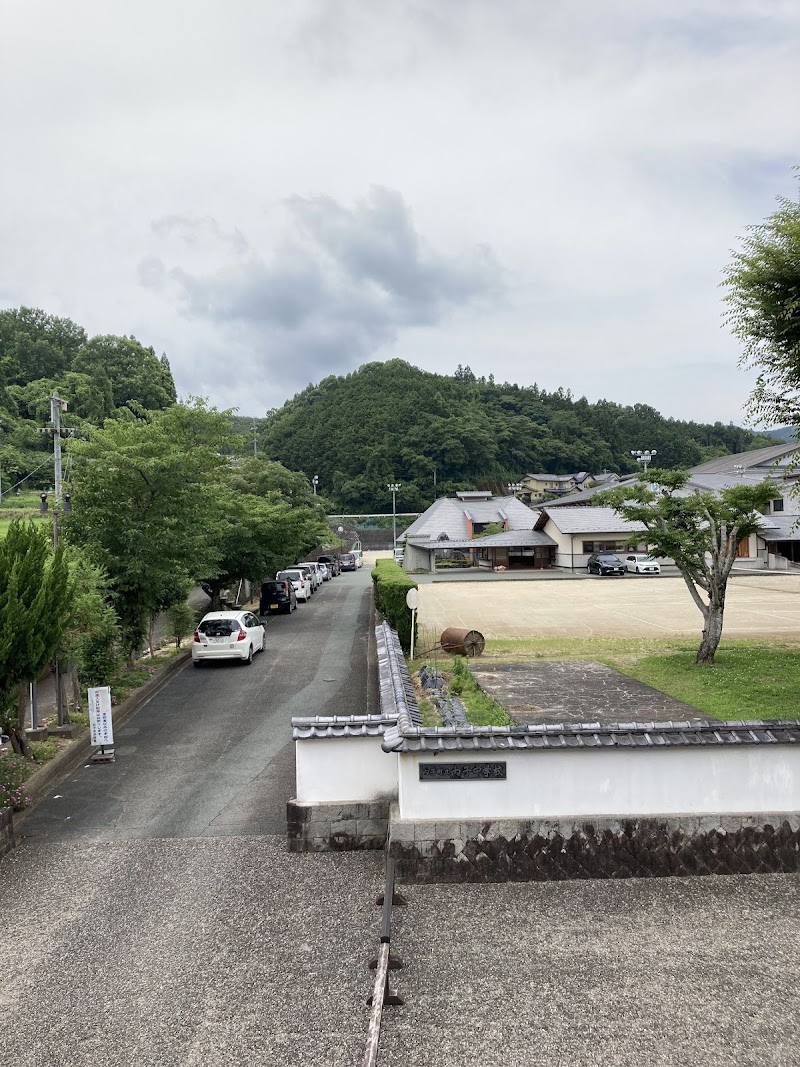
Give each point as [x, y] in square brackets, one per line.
[557, 850]
[336, 827]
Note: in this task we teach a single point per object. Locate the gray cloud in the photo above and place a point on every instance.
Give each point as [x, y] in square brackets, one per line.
[340, 284]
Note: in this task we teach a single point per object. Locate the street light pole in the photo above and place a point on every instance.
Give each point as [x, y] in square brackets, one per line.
[394, 488]
[315, 483]
[644, 456]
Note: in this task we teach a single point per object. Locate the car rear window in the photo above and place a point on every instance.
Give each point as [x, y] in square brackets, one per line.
[273, 587]
[347, 556]
[218, 627]
[292, 576]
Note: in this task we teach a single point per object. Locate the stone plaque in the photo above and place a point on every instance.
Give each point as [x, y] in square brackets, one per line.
[462, 772]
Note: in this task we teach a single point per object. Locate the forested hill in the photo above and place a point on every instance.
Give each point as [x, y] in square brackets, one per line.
[435, 434]
[43, 354]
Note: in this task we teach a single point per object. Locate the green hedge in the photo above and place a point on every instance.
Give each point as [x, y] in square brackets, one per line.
[391, 583]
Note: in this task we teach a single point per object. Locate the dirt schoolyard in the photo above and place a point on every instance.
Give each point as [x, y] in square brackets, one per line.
[756, 606]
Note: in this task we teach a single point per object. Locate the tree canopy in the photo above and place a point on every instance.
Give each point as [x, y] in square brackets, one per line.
[699, 531]
[36, 593]
[763, 295]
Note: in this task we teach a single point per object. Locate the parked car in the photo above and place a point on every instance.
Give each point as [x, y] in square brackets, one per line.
[228, 635]
[332, 563]
[321, 572]
[300, 582]
[399, 554]
[642, 564]
[277, 596]
[605, 563]
[325, 570]
[347, 561]
[312, 573]
[359, 557]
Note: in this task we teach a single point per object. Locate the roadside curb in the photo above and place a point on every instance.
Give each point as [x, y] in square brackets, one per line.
[67, 760]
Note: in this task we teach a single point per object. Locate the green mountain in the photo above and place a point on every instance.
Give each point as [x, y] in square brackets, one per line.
[434, 434]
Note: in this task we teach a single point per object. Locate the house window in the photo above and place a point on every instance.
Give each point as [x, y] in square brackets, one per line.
[603, 546]
[777, 505]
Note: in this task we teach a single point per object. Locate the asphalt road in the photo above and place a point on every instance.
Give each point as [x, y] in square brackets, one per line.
[152, 915]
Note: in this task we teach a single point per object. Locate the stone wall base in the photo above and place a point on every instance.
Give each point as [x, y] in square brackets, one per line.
[543, 850]
[337, 827]
[7, 840]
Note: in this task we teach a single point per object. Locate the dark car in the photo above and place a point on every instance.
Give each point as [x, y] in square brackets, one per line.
[348, 562]
[605, 563]
[277, 596]
[332, 563]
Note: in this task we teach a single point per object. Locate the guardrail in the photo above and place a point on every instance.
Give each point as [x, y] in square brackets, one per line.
[384, 962]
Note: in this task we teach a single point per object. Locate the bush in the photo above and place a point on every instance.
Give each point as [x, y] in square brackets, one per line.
[391, 583]
[13, 772]
[44, 750]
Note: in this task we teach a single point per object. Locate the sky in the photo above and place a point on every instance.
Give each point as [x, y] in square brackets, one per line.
[275, 192]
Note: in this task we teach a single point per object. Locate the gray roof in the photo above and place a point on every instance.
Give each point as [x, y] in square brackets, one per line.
[508, 538]
[448, 515]
[583, 496]
[590, 520]
[592, 735]
[780, 528]
[304, 728]
[758, 457]
[555, 477]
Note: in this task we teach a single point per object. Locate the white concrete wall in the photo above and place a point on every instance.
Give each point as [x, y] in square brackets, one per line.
[342, 769]
[752, 779]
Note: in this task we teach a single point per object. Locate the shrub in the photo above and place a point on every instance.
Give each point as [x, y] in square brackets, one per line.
[391, 583]
[44, 750]
[13, 772]
[181, 621]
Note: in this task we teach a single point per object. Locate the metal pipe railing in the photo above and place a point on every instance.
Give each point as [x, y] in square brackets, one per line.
[382, 994]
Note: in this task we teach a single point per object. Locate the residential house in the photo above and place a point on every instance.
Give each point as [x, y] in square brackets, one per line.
[488, 530]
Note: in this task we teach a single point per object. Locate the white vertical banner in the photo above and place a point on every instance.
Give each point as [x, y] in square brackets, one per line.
[100, 726]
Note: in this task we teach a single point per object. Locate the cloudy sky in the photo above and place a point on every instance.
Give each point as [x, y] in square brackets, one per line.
[271, 192]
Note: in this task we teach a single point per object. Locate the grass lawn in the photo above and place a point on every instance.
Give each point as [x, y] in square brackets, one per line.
[749, 680]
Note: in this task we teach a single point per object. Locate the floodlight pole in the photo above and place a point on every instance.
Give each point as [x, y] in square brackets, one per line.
[394, 488]
[645, 456]
[315, 483]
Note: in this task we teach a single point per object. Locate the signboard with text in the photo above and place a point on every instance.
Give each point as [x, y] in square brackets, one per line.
[102, 732]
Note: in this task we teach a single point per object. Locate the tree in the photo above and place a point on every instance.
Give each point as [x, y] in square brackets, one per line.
[36, 594]
[136, 373]
[763, 283]
[699, 531]
[146, 503]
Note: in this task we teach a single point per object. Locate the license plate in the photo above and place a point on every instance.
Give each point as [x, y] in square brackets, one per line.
[218, 640]
[273, 607]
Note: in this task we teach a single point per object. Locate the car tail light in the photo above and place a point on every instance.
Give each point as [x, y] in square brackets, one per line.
[242, 635]
[197, 637]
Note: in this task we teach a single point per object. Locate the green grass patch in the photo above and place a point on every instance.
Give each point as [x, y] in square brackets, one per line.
[482, 710]
[125, 683]
[429, 712]
[749, 680]
[44, 750]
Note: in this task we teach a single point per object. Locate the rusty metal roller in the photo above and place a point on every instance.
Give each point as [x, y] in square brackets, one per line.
[462, 642]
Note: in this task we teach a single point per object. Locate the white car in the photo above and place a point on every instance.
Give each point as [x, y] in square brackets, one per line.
[359, 557]
[641, 564]
[313, 574]
[325, 571]
[300, 582]
[228, 635]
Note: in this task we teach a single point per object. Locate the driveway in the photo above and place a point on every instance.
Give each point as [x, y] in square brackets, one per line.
[633, 606]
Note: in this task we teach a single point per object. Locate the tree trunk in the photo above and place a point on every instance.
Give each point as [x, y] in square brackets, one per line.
[712, 633]
[15, 724]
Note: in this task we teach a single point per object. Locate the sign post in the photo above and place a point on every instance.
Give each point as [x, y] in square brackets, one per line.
[412, 601]
[100, 725]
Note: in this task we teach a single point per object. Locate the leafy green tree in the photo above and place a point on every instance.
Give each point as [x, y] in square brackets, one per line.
[763, 295]
[35, 345]
[90, 646]
[146, 503]
[135, 372]
[36, 594]
[699, 531]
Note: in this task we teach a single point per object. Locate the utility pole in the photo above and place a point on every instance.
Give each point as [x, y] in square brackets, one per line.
[255, 439]
[57, 405]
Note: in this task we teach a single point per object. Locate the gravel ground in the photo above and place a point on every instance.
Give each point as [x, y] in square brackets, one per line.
[207, 951]
[672, 972]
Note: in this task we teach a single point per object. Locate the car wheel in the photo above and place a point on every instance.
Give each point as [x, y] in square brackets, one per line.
[197, 663]
[249, 659]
